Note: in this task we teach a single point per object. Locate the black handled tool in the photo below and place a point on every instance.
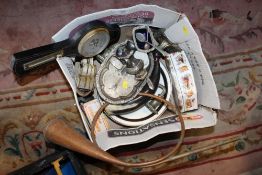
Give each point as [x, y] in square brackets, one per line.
[91, 39]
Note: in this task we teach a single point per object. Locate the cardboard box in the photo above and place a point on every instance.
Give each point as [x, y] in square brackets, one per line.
[179, 31]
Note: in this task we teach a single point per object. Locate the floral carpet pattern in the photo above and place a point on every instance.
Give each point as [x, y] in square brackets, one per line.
[231, 36]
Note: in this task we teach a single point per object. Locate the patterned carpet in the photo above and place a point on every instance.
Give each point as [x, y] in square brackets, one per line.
[231, 36]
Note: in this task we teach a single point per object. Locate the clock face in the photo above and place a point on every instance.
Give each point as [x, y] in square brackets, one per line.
[94, 42]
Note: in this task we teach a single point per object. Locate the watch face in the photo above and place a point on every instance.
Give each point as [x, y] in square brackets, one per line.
[94, 42]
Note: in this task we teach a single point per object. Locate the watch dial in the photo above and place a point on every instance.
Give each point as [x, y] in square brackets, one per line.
[94, 42]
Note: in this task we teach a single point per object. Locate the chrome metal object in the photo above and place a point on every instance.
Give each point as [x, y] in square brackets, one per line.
[85, 72]
[116, 80]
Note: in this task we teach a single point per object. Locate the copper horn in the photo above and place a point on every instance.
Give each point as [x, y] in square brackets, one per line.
[59, 132]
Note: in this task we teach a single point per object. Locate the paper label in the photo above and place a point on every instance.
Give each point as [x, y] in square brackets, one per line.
[90, 109]
[184, 81]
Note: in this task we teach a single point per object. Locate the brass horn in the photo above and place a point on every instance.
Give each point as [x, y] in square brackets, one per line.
[59, 132]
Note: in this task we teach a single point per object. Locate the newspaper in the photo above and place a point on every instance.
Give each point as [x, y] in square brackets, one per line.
[178, 30]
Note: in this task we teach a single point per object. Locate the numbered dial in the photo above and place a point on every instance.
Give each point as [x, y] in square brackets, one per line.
[94, 42]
